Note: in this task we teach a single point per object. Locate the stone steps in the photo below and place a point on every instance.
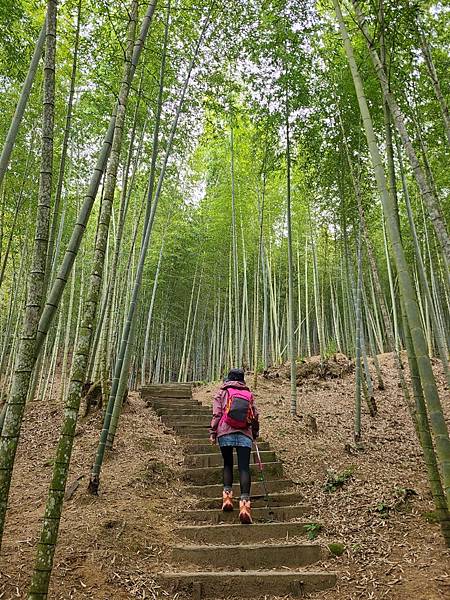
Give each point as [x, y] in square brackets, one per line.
[235, 533]
[205, 475]
[247, 584]
[221, 557]
[199, 448]
[173, 403]
[183, 411]
[215, 459]
[198, 420]
[194, 431]
[215, 490]
[250, 556]
[283, 499]
[178, 390]
[263, 513]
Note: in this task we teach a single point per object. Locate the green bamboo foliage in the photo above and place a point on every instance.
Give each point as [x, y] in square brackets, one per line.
[428, 58]
[10, 140]
[46, 547]
[57, 289]
[122, 367]
[428, 382]
[18, 208]
[430, 199]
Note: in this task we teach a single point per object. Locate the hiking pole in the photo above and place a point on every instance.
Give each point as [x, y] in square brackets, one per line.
[263, 479]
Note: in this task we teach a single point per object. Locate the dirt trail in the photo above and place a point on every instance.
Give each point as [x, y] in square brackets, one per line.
[111, 546]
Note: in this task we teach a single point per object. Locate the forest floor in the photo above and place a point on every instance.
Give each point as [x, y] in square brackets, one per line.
[111, 546]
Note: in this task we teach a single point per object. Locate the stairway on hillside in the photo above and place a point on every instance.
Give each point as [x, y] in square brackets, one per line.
[217, 556]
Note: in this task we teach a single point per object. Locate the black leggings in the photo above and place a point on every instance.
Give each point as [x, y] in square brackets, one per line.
[243, 455]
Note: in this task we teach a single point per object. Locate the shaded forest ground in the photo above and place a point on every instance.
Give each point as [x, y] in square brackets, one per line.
[111, 546]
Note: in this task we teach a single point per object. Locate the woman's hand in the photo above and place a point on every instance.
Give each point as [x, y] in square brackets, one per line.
[213, 439]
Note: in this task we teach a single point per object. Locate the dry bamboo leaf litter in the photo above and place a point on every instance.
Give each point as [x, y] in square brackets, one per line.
[116, 543]
[393, 553]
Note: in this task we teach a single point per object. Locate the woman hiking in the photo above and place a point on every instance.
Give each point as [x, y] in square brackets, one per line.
[235, 425]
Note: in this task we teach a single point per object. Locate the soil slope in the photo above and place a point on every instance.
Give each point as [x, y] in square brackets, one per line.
[381, 513]
[111, 546]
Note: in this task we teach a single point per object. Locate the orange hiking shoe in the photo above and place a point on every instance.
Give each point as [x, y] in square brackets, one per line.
[227, 504]
[245, 513]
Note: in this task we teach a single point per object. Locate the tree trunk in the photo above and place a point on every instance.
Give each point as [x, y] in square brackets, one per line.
[46, 547]
[431, 201]
[291, 324]
[426, 53]
[438, 331]
[259, 264]
[60, 282]
[428, 382]
[11, 136]
[59, 186]
[422, 424]
[149, 317]
[358, 366]
[237, 332]
[121, 368]
[391, 337]
[36, 279]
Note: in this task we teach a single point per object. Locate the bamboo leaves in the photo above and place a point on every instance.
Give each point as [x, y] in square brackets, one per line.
[408, 294]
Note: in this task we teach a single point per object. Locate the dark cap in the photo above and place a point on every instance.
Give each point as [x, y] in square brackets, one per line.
[236, 375]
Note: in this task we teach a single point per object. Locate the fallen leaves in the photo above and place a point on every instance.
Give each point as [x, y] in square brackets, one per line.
[384, 551]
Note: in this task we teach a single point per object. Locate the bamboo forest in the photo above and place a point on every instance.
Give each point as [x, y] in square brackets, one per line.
[197, 191]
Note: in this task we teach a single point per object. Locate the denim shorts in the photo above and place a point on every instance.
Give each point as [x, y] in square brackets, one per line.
[234, 440]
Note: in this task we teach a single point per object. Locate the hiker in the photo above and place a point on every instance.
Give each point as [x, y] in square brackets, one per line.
[235, 425]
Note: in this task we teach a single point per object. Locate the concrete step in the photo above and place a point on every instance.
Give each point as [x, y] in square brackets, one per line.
[167, 385]
[259, 514]
[201, 439]
[191, 430]
[247, 584]
[215, 490]
[180, 412]
[178, 402]
[250, 556]
[284, 499]
[235, 533]
[215, 459]
[198, 448]
[156, 403]
[205, 475]
[167, 391]
[182, 399]
[187, 420]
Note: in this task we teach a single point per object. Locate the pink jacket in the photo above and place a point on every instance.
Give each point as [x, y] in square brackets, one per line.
[218, 427]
